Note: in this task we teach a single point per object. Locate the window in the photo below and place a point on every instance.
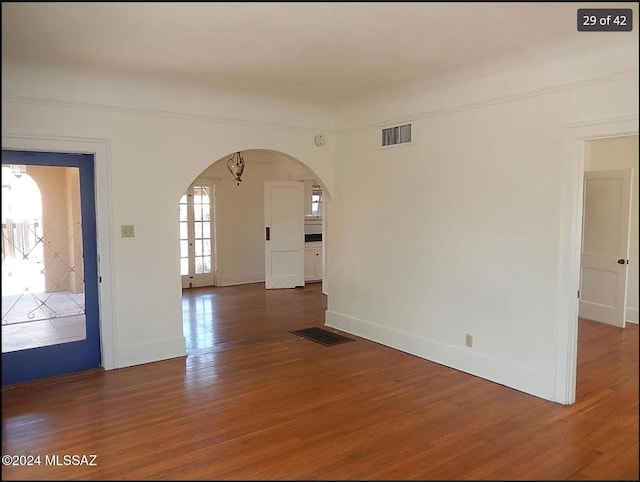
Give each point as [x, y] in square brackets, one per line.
[316, 201]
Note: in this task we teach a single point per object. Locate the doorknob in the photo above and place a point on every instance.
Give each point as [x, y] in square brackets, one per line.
[621, 261]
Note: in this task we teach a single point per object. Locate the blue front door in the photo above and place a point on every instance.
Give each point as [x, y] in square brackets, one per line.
[50, 322]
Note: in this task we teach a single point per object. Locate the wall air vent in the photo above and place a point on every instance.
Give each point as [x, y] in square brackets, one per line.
[392, 136]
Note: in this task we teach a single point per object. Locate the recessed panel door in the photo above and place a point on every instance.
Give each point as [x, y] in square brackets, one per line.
[284, 234]
[605, 246]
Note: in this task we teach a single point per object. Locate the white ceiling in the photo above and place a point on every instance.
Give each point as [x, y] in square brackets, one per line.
[325, 53]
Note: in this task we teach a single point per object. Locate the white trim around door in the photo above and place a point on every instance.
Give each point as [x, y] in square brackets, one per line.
[570, 244]
[100, 149]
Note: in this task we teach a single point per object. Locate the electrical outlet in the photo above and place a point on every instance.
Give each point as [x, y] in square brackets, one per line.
[468, 341]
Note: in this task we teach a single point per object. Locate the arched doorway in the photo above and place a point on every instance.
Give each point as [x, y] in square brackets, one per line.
[236, 220]
[22, 251]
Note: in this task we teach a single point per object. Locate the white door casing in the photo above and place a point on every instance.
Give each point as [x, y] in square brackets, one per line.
[284, 234]
[568, 269]
[605, 246]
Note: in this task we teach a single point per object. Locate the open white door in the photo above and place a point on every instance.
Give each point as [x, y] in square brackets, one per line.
[284, 234]
[605, 245]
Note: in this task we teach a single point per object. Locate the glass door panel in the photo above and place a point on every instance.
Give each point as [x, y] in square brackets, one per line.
[196, 237]
[48, 221]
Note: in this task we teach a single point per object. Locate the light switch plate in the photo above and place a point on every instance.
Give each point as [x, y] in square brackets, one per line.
[127, 231]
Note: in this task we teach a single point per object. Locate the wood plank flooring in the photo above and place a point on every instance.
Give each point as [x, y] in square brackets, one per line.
[255, 402]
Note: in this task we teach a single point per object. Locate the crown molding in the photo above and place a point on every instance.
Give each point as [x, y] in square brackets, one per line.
[494, 100]
[58, 103]
[489, 101]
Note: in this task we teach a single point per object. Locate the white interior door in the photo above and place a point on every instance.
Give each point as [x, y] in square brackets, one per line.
[284, 234]
[605, 245]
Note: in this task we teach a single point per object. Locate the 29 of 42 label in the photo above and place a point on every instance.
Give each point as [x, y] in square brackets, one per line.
[605, 20]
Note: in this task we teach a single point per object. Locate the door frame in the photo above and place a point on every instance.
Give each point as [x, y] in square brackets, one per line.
[100, 148]
[570, 244]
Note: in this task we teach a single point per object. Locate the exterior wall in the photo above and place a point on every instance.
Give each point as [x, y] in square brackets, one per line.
[60, 191]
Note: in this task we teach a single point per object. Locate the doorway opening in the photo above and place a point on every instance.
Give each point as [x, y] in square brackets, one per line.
[571, 245]
[609, 248]
[238, 234]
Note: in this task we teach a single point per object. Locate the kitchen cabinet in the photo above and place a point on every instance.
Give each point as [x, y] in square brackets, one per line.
[313, 262]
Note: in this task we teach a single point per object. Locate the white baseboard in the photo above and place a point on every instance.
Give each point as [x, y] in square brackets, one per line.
[460, 358]
[151, 352]
[239, 279]
[632, 315]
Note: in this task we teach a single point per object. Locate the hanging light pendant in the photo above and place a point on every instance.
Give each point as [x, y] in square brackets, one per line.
[235, 164]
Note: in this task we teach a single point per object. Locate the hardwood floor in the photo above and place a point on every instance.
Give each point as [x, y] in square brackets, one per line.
[252, 401]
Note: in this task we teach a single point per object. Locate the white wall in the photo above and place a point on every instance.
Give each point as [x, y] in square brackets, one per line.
[159, 137]
[621, 153]
[463, 231]
[240, 213]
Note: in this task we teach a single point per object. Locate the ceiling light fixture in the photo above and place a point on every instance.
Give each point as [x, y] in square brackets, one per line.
[235, 164]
